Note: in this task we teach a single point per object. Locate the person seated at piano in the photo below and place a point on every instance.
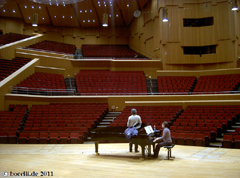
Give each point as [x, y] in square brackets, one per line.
[134, 120]
[164, 140]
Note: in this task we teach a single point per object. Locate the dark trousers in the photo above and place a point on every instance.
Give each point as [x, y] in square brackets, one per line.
[159, 145]
[130, 147]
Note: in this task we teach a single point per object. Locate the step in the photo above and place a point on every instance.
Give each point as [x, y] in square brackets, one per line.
[219, 139]
[237, 123]
[236, 126]
[110, 117]
[107, 120]
[101, 126]
[104, 123]
[217, 144]
[230, 130]
[114, 112]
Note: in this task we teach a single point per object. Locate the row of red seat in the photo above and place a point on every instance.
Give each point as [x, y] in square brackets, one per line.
[101, 81]
[54, 47]
[7, 67]
[11, 37]
[230, 141]
[114, 51]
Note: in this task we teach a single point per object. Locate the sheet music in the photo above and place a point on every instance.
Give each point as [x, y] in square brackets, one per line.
[149, 129]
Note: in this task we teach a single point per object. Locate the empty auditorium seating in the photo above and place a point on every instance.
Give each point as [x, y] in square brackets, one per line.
[41, 83]
[175, 84]
[11, 37]
[54, 47]
[110, 82]
[11, 123]
[153, 115]
[109, 51]
[227, 141]
[211, 121]
[7, 67]
[217, 83]
[61, 123]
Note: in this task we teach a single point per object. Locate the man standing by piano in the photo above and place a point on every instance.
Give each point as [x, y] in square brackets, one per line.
[135, 121]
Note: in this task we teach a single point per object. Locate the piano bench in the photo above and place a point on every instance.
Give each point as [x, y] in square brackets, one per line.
[169, 148]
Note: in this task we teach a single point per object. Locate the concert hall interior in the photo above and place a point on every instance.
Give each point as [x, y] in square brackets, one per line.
[83, 82]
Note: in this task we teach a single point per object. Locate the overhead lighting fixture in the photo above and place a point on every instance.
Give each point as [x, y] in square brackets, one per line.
[29, 17]
[35, 20]
[88, 20]
[4, 10]
[43, 18]
[234, 5]
[13, 11]
[25, 7]
[110, 15]
[39, 7]
[90, 10]
[80, 11]
[93, 20]
[71, 17]
[86, 11]
[116, 15]
[63, 16]
[32, 7]
[165, 15]
[127, 5]
[105, 20]
[54, 16]
[84, 21]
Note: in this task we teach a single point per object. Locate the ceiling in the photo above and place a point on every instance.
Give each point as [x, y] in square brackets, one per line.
[87, 13]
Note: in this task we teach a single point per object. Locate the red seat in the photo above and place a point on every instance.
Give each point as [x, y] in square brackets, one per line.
[53, 138]
[181, 138]
[237, 141]
[23, 138]
[227, 141]
[64, 138]
[199, 139]
[33, 137]
[43, 138]
[190, 138]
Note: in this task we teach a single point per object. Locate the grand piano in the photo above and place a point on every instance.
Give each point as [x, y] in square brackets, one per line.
[117, 134]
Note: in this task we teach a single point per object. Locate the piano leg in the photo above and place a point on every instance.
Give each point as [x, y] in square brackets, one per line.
[96, 148]
[149, 150]
[143, 153]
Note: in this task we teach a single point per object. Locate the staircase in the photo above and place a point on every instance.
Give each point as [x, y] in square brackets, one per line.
[218, 142]
[152, 86]
[70, 83]
[108, 119]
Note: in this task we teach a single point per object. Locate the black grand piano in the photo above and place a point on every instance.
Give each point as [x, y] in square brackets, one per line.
[117, 134]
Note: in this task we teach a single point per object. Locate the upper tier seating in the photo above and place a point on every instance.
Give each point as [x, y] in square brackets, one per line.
[110, 82]
[7, 67]
[176, 84]
[62, 123]
[54, 46]
[10, 123]
[218, 83]
[11, 37]
[109, 51]
[153, 115]
[43, 81]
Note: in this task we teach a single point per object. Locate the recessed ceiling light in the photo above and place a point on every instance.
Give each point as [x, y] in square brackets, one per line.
[110, 15]
[71, 17]
[105, 5]
[54, 16]
[63, 16]
[25, 7]
[98, 2]
[43, 18]
[93, 20]
[39, 7]
[57, 4]
[64, 5]
[32, 7]
[83, 20]
[4, 10]
[116, 15]
[88, 20]
[80, 11]
[29, 17]
[127, 5]
[90, 10]
[13, 11]
[50, 3]
[104, 2]
[110, 4]
[85, 10]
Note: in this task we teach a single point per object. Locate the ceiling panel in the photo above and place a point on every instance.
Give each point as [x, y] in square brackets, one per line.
[30, 8]
[110, 7]
[127, 8]
[63, 15]
[86, 13]
[10, 9]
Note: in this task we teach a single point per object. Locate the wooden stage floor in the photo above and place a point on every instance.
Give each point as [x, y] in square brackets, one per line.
[80, 161]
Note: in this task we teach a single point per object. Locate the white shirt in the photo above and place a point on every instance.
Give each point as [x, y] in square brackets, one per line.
[134, 120]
